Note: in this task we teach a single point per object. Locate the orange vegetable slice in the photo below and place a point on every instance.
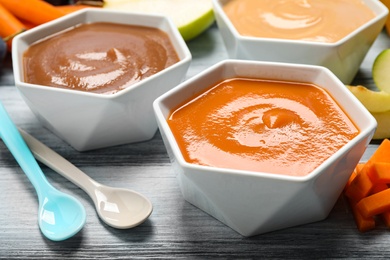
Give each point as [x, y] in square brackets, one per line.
[361, 185]
[374, 204]
[363, 223]
[367, 189]
[380, 172]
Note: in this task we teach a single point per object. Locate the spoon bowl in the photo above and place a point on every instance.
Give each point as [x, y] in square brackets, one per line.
[66, 213]
[117, 207]
[121, 208]
[60, 215]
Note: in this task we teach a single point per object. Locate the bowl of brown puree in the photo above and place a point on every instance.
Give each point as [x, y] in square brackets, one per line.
[91, 76]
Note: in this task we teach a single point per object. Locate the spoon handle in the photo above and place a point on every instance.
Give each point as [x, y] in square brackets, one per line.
[19, 149]
[59, 164]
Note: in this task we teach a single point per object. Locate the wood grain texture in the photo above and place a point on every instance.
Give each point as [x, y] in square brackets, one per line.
[176, 229]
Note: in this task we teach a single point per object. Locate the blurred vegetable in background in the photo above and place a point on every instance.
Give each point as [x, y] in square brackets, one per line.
[17, 16]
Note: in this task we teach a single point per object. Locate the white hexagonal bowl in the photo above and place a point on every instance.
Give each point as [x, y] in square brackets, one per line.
[343, 58]
[88, 120]
[253, 203]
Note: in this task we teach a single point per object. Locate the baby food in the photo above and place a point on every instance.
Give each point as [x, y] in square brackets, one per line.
[99, 57]
[260, 125]
[310, 20]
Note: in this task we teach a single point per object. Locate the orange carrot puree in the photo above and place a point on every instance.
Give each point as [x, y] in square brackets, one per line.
[258, 125]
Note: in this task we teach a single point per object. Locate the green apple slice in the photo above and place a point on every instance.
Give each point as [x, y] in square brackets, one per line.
[381, 71]
[191, 17]
[374, 101]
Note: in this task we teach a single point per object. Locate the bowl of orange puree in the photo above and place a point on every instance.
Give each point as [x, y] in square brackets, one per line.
[335, 34]
[91, 77]
[263, 146]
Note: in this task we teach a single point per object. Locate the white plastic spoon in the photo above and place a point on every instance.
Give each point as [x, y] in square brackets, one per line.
[60, 215]
[117, 207]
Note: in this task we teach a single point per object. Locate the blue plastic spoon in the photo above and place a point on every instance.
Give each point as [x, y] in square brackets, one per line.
[60, 215]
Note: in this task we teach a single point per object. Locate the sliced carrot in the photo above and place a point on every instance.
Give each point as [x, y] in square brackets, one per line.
[380, 172]
[355, 172]
[368, 189]
[351, 178]
[9, 25]
[361, 186]
[382, 154]
[375, 204]
[34, 11]
[363, 224]
[378, 187]
[28, 25]
[359, 167]
[72, 8]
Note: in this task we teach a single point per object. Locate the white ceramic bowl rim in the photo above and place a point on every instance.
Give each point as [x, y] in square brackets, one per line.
[179, 157]
[380, 15]
[186, 56]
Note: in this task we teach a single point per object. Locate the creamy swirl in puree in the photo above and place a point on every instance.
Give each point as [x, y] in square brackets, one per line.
[275, 127]
[99, 57]
[309, 20]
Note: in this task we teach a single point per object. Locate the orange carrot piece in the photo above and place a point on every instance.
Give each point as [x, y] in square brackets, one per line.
[378, 187]
[375, 204]
[363, 224]
[72, 8]
[380, 172]
[359, 167]
[28, 25]
[368, 191]
[351, 178]
[361, 186]
[34, 11]
[382, 154]
[355, 172]
[9, 24]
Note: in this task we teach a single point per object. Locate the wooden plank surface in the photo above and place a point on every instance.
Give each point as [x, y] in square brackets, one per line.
[176, 229]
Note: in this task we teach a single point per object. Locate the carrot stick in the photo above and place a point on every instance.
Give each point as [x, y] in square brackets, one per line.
[359, 167]
[375, 204]
[382, 154]
[9, 24]
[34, 11]
[361, 185]
[72, 8]
[363, 223]
[367, 189]
[380, 172]
[378, 187]
[28, 25]
[351, 178]
[355, 172]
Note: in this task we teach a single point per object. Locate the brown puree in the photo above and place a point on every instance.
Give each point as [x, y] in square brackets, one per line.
[310, 20]
[99, 57]
[275, 127]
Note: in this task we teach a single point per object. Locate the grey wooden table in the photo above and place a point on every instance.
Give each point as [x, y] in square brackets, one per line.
[176, 229]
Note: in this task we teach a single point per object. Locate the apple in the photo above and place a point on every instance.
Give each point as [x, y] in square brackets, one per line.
[378, 102]
[191, 17]
[383, 121]
[381, 71]
[374, 101]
